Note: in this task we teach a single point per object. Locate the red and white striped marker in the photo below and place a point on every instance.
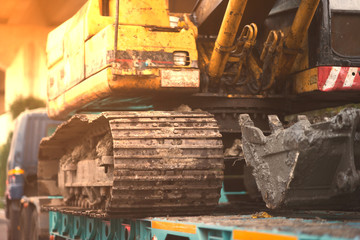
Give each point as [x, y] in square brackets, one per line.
[338, 78]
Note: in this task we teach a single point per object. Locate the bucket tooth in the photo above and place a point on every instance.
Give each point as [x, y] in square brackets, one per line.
[274, 123]
[252, 132]
[244, 119]
[306, 165]
[303, 118]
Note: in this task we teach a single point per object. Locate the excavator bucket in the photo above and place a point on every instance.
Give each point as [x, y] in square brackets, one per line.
[306, 164]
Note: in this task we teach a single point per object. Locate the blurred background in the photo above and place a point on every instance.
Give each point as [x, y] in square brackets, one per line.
[24, 26]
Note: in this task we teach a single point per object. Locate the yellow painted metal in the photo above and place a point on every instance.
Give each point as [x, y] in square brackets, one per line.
[297, 34]
[83, 68]
[135, 38]
[92, 89]
[94, 21]
[226, 36]
[254, 67]
[55, 46]
[88, 21]
[191, 25]
[203, 57]
[269, 45]
[244, 46]
[204, 51]
[144, 12]
[305, 81]
[302, 59]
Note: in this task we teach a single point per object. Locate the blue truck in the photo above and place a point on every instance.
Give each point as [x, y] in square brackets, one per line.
[21, 185]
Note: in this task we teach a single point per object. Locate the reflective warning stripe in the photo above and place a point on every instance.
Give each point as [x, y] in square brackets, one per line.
[177, 227]
[249, 235]
[349, 80]
[338, 78]
[331, 80]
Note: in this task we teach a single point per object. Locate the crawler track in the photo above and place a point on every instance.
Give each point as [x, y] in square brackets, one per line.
[164, 163]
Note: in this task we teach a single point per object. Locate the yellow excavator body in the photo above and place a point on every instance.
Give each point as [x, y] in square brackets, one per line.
[150, 56]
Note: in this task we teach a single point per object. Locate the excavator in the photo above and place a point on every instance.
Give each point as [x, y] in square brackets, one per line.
[153, 100]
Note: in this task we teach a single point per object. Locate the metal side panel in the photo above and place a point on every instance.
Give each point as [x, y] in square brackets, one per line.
[227, 227]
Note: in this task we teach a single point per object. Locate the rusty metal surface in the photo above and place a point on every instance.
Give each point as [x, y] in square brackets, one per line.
[306, 164]
[164, 163]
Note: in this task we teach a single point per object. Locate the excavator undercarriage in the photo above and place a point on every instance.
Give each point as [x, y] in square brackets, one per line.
[139, 163]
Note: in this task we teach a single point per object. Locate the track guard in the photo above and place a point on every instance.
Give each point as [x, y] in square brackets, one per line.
[305, 164]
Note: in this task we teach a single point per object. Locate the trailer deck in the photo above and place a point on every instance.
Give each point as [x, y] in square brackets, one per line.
[290, 225]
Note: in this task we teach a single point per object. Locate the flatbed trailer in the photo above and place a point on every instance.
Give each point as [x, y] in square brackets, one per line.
[70, 223]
